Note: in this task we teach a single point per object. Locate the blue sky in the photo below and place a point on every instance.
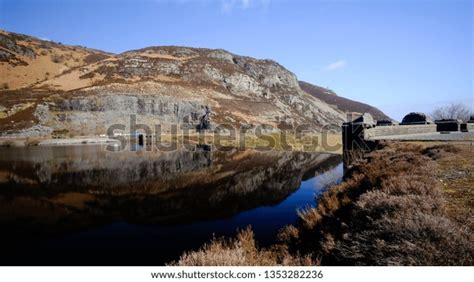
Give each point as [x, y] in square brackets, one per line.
[398, 55]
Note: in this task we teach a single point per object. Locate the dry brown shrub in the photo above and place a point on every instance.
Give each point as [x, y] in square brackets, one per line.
[390, 211]
[439, 151]
[241, 251]
[57, 59]
[95, 57]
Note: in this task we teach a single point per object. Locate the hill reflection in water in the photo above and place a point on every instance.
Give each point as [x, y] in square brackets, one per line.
[82, 205]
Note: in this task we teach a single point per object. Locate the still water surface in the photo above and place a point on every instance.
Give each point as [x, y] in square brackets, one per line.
[83, 205]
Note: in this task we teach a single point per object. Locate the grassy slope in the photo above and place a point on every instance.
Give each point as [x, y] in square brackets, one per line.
[49, 59]
[341, 103]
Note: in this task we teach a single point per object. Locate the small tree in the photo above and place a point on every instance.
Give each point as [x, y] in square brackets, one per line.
[452, 111]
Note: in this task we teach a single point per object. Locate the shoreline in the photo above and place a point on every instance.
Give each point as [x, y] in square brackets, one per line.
[331, 143]
[31, 142]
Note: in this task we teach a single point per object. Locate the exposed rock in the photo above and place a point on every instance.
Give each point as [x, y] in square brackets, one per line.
[204, 121]
[10, 44]
[94, 114]
[34, 131]
[242, 84]
[168, 68]
[42, 112]
[127, 104]
[221, 55]
[213, 73]
[5, 56]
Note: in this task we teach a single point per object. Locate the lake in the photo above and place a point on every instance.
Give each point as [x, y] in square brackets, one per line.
[84, 205]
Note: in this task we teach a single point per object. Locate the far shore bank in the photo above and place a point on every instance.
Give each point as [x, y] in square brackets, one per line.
[25, 142]
[331, 143]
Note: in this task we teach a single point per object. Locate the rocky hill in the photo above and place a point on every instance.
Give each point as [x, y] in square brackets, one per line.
[53, 87]
[341, 103]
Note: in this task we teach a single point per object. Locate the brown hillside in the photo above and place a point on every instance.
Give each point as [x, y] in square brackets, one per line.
[341, 103]
[50, 87]
[161, 85]
[26, 60]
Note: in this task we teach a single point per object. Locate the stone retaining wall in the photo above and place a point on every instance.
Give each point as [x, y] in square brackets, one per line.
[470, 127]
[399, 130]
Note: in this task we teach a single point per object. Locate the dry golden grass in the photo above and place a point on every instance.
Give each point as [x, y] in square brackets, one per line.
[455, 172]
[50, 59]
[241, 251]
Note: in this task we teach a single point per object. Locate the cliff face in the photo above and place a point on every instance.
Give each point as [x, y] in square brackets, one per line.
[160, 85]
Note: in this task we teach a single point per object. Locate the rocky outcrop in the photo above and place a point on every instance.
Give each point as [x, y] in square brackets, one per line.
[127, 104]
[94, 114]
[34, 131]
[9, 43]
[204, 121]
